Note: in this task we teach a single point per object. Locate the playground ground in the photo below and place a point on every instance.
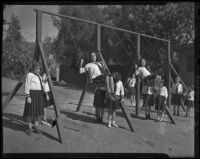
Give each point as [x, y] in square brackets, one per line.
[83, 135]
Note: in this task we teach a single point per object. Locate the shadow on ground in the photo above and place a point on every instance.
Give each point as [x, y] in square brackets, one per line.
[18, 123]
[7, 93]
[76, 116]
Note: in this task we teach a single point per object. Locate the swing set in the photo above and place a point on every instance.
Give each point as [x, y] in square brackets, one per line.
[40, 56]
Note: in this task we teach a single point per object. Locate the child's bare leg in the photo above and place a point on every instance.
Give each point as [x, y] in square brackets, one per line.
[178, 107]
[113, 119]
[110, 115]
[45, 114]
[174, 110]
[186, 113]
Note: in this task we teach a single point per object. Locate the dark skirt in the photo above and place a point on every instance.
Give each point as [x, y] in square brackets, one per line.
[160, 103]
[35, 109]
[176, 99]
[113, 105]
[189, 103]
[131, 90]
[50, 101]
[99, 80]
[148, 100]
[99, 98]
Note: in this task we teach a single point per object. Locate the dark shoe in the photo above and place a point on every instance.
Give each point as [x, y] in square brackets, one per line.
[54, 123]
[174, 114]
[29, 131]
[178, 114]
[37, 130]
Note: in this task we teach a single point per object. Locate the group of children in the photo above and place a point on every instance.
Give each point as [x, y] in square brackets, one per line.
[109, 93]
[157, 95]
[38, 98]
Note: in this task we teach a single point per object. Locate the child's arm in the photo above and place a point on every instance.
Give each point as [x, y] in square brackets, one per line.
[27, 88]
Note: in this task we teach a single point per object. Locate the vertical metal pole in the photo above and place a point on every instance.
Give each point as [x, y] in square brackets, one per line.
[138, 80]
[169, 76]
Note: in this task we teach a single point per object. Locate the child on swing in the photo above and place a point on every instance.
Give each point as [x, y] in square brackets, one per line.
[113, 105]
[177, 91]
[160, 101]
[189, 102]
[34, 102]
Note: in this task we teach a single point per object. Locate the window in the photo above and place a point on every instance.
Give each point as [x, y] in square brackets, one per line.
[190, 63]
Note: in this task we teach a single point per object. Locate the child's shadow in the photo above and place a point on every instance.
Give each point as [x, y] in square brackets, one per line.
[14, 122]
[18, 123]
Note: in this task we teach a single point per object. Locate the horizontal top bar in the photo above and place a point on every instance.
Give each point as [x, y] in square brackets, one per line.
[104, 25]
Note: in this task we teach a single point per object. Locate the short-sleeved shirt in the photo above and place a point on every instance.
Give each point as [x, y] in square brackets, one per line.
[179, 88]
[131, 82]
[119, 89]
[95, 71]
[163, 92]
[190, 95]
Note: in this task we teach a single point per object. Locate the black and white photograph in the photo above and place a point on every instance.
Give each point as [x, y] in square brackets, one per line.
[99, 79]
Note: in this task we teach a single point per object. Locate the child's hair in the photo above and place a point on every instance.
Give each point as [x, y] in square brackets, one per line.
[117, 76]
[34, 66]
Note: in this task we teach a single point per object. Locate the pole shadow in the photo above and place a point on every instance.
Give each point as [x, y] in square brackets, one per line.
[18, 123]
[75, 116]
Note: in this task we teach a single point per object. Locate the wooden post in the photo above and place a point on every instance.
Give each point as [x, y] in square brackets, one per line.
[169, 76]
[138, 80]
[82, 95]
[41, 52]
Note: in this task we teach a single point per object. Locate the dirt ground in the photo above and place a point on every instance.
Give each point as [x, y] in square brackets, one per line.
[82, 134]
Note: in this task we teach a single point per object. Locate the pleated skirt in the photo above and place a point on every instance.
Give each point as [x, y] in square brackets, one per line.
[189, 103]
[35, 109]
[99, 98]
[160, 103]
[176, 99]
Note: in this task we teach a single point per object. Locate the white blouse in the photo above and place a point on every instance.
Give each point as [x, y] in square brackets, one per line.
[95, 71]
[32, 83]
[163, 91]
[119, 89]
[190, 95]
[45, 83]
[142, 71]
[179, 86]
[131, 82]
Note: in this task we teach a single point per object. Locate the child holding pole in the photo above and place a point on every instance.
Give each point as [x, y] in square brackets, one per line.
[177, 91]
[131, 87]
[113, 103]
[160, 101]
[189, 102]
[34, 102]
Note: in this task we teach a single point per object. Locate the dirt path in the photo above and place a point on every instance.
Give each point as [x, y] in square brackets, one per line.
[83, 134]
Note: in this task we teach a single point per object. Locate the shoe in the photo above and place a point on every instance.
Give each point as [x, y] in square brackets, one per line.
[37, 130]
[45, 122]
[29, 131]
[174, 114]
[101, 120]
[54, 123]
[109, 124]
[178, 114]
[114, 124]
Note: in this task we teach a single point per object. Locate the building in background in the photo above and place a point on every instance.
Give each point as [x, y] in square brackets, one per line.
[186, 63]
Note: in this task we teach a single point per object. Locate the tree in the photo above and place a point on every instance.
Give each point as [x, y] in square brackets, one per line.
[17, 52]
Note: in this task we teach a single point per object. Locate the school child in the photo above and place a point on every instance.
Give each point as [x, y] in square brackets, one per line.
[48, 98]
[34, 102]
[131, 87]
[189, 102]
[177, 91]
[160, 101]
[114, 105]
